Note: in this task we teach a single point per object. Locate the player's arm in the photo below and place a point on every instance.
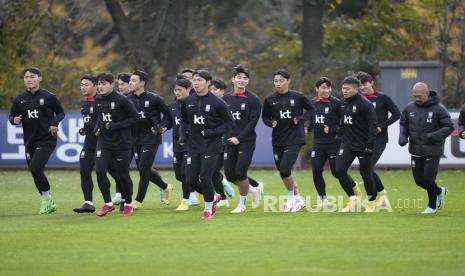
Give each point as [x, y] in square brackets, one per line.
[461, 123]
[445, 126]
[267, 116]
[15, 117]
[395, 113]
[404, 125]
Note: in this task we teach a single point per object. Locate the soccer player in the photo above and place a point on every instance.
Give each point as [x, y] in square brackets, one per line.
[245, 108]
[205, 118]
[383, 105]
[123, 83]
[116, 115]
[86, 160]
[424, 125]
[357, 132]
[39, 112]
[284, 112]
[461, 122]
[217, 87]
[324, 122]
[182, 88]
[147, 131]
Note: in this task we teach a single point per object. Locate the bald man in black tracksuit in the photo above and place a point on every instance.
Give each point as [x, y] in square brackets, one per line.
[424, 125]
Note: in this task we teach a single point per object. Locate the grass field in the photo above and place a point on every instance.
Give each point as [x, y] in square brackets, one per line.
[157, 240]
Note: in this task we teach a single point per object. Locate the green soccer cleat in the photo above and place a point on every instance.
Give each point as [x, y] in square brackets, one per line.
[48, 206]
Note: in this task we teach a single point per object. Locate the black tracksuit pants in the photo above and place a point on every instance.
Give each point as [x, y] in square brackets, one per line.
[37, 158]
[425, 170]
[200, 166]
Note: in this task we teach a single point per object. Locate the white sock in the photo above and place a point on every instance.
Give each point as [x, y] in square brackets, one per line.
[382, 192]
[242, 200]
[127, 204]
[225, 182]
[118, 195]
[192, 195]
[109, 203]
[208, 206]
[89, 202]
[290, 196]
[185, 200]
[353, 198]
[46, 195]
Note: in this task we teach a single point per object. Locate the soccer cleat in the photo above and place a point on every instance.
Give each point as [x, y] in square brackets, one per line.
[382, 200]
[116, 200]
[441, 197]
[223, 203]
[322, 203]
[162, 196]
[128, 210]
[298, 206]
[168, 193]
[135, 205]
[105, 210]
[289, 205]
[182, 206]
[85, 208]
[48, 206]
[350, 207]
[239, 209]
[357, 191]
[429, 211]
[216, 200]
[255, 198]
[200, 199]
[371, 207]
[206, 215]
[228, 189]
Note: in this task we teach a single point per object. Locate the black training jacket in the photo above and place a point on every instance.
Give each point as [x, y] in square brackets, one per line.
[425, 127]
[283, 108]
[39, 111]
[120, 114]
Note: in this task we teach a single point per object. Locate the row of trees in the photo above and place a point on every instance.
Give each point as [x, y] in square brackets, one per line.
[311, 38]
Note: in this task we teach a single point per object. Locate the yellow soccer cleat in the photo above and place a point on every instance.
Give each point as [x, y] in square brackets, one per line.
[136, 204]
[371, 207]
[200, 199]
[183, 206]
[168, 193]
[350, 207]
[382, 200]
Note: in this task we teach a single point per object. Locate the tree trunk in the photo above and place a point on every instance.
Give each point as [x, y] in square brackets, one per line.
[312, 33]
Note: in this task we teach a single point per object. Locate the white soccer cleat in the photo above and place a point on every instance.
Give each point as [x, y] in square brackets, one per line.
[239, 209]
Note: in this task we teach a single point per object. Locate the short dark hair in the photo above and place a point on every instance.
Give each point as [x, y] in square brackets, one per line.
[187, 70]
[90, 77]
[351, 80]
[107, 77]
[142, 75]
[204, 74]
[219, 84]
[182, 81]
[364, 77]
[125, 77]
[321, 81]
[283, 73]
[240, 69]
[33, 70]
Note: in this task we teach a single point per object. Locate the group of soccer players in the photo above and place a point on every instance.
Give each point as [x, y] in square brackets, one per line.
[213, 129]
